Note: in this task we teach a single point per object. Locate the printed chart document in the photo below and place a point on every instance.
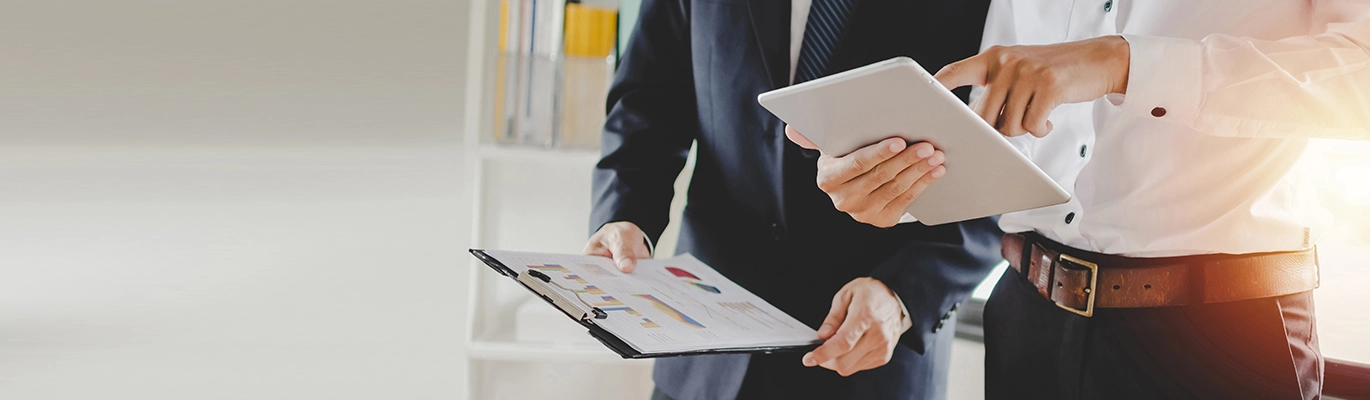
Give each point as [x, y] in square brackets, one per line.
[666, 307]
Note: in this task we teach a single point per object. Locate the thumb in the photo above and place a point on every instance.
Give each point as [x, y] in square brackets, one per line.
[967, 72]
[623, 255]
[799, 139]
[836, 315]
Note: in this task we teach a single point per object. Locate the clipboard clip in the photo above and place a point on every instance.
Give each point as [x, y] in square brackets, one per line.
[543, 285]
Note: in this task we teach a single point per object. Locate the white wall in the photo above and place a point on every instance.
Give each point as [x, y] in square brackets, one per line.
[241, 72]
[231, 199]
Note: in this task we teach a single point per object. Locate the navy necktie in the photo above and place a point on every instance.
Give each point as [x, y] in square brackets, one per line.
[827, 20]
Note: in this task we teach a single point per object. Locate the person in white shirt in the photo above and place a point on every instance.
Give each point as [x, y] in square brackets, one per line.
[1183, 265]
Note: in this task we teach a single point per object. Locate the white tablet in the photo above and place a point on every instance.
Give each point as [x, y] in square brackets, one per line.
[985, 174]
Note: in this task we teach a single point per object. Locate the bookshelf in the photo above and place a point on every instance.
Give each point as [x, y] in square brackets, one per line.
[524, 197]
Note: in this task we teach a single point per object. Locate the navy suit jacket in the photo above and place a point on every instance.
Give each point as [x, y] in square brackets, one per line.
[690, 74]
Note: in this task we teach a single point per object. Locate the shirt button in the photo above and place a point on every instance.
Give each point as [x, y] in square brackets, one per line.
[1108, 6]
[1158, 112]
[1070, 217]
[1082, 150]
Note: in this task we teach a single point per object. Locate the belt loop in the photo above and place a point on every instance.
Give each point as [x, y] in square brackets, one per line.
[1025, 256]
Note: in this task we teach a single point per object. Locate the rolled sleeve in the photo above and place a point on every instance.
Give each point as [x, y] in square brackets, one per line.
[1164, 79]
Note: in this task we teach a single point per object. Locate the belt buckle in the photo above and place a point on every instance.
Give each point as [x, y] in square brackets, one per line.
[1093, 283]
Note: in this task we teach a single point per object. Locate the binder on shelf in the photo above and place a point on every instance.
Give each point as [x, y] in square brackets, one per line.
[553, 71]
[528, 71]
[587, 73]
[646, 314]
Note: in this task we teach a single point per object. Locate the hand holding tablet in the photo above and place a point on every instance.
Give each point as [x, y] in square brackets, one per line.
[977, 172]
[874, 184]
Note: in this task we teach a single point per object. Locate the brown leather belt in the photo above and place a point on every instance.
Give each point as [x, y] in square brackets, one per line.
[1080, 281]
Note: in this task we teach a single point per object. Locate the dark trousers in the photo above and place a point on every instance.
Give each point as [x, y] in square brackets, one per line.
[1253, 349]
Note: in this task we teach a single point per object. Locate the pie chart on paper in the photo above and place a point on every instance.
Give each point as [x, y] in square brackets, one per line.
[680, 273]
[706, 288]
[683, 274]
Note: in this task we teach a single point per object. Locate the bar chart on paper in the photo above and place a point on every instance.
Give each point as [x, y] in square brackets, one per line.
[665, 306]
[671, 311]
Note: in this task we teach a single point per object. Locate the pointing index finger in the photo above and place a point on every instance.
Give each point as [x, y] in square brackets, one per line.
[970, 71]
[841, 342]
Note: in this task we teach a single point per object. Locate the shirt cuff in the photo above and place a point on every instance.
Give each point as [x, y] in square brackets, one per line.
[907, 218]
[1164, 79]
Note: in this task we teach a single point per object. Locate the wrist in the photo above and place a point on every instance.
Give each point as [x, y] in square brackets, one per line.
[905, 322]
[1119, 63]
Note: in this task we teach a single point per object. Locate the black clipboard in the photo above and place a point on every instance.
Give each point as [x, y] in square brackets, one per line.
[585, 317]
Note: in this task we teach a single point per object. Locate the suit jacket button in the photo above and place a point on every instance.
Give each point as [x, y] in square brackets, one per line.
[777, 232]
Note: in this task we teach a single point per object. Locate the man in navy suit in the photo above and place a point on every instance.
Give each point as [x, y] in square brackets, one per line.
[882, 298]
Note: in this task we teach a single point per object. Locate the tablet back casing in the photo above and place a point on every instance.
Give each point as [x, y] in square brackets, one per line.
[847, 111]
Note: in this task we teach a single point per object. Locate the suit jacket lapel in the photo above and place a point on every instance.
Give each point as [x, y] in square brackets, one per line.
[771, 29]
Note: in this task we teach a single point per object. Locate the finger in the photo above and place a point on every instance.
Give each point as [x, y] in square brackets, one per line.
[992, 102]
[799, 139]
[970, 71]
[1012, 117]
[836, 314]
[873, 357]
[1037, 118]
[623, 255]
[865, 184]
[841, 343]
[858, 359]
[897, 206]
[907, 178]
[839, 170]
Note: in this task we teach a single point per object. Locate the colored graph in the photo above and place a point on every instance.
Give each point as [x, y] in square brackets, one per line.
[625, 309]
[577, 278]
[589, 289]
[597, 270]
[680, 273]
[609, 301]
[670, 311]
[688, 278]
[609, 304]
[706, 288]
[550, 267]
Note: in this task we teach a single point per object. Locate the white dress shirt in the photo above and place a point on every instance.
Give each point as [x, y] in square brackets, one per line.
[1203, 153]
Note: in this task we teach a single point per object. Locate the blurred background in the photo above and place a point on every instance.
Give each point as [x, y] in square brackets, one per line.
[273, 199]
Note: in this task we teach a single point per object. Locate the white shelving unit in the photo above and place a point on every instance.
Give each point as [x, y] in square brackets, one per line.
[530, 199]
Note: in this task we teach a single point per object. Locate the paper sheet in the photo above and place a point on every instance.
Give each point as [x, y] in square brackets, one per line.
[668, 305]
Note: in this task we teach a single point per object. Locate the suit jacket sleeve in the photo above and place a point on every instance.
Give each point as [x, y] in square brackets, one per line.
[939, 270]
[651, 123]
